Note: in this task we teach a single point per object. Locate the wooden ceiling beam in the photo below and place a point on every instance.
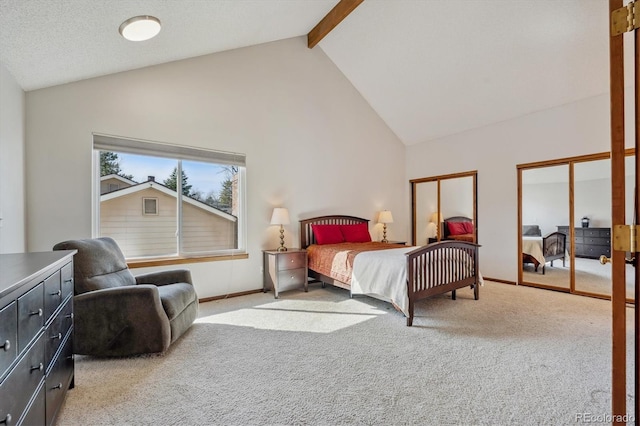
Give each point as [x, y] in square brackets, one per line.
[331, 20]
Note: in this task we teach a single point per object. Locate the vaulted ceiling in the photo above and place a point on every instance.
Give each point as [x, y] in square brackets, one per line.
[430, 68]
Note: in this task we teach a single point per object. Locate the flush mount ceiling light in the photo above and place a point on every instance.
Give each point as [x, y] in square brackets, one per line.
[140, 28]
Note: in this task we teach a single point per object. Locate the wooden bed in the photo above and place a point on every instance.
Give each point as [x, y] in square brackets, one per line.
[446, 234]
[430, 270]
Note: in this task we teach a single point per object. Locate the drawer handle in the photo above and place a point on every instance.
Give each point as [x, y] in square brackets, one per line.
[70, 280]
[38, 312]
[69, 316]
[58, 386]
[57, 336]
[6, 346]
[57, 293]
[7, 419]
[39, 367]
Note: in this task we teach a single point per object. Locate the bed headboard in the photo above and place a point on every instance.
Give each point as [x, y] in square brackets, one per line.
[445, 230]
[306, 233]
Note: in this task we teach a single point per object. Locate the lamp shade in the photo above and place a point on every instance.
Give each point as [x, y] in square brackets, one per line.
[385, 217]
[280, 216]
[434, 218]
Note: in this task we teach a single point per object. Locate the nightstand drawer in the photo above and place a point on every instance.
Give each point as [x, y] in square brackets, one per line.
[292, 276]
[291, 261]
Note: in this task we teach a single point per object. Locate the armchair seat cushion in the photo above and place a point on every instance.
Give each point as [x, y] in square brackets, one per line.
[176, 297]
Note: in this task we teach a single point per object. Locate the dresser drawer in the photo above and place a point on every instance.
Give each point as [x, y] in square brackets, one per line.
[597, 241]
[21, 383]
[597, 251]
[66, 275]
[35, 413]
[291, 261]
[56, 332]
[52, 295]
[597, 232]
[292, 276]
[8, 336]
[58, 381]
[30, 316]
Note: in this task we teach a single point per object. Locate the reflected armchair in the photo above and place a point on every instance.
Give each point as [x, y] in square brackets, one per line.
[117, 314]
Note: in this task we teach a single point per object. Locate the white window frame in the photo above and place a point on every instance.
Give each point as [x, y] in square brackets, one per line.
[144, 206]
[102, 142]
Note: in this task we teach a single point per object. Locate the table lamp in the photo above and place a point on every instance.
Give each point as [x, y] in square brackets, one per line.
[280, 217]
[384, 218]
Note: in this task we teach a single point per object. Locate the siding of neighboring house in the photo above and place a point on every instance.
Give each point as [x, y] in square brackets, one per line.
[155, 235]
[105, 185]
[203, 231]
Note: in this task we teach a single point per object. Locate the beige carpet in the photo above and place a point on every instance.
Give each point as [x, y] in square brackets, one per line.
[591, 276]
[519, 355]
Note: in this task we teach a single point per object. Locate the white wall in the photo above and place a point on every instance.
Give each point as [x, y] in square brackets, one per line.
[12, 178]
[312, 142]
[547, 205]
[568, 130]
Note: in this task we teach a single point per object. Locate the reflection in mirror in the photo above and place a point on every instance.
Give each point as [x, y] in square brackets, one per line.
[630, 184]
[592, 219]
[545, 219]
[426, 211]
[437, 198]
[456, 200]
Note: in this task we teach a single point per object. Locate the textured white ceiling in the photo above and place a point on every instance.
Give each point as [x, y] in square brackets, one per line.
[49, 42]
[430, 68]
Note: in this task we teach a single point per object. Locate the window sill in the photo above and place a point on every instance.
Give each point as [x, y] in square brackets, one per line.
[146, 263]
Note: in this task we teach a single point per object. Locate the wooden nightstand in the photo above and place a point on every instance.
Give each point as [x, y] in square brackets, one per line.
[283, 269]
[404, 243]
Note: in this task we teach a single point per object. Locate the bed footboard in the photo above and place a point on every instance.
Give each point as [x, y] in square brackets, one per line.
[439, 268]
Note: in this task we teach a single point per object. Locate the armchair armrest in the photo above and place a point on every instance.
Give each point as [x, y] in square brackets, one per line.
[120, 321]
[165, 277]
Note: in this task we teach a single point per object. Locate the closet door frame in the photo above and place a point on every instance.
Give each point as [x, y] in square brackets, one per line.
[570, 161]
[438, 179]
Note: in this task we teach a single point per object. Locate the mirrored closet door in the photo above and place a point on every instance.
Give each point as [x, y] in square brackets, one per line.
[565, 224]
[592, 226]
[438, 201]
[545, 221]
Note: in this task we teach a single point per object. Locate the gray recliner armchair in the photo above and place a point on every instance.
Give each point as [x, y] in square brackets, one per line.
[117, 314]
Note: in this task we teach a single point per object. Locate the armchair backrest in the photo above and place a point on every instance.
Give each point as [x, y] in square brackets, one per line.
[98, 264]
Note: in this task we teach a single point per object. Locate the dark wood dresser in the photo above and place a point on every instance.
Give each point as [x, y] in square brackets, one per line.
[590, 242]
[36, 336]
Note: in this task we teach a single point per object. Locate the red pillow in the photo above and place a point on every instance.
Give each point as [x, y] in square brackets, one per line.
[356, 233]
[327, 234]
[456, 228]
[468, 227]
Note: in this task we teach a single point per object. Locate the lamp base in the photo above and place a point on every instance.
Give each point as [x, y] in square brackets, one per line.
[384, 233]
[282, 247]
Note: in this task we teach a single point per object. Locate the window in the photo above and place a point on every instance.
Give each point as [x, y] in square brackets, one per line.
[201, 193]
[149, 206]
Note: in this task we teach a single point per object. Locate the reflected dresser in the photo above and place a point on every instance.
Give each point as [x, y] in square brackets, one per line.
[36, 336]
[589, 242]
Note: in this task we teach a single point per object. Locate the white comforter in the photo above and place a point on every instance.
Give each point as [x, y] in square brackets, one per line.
[383, 274]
